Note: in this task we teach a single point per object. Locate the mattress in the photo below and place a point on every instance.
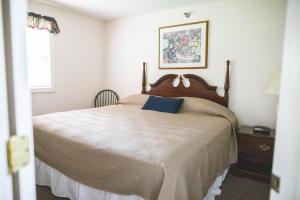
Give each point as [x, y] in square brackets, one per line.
[125, 150]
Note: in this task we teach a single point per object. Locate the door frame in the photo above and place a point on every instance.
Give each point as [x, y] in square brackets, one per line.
[286, 155]
[6, 189]
[18, 93]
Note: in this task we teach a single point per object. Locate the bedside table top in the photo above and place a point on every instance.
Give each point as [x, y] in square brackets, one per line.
[248, 130]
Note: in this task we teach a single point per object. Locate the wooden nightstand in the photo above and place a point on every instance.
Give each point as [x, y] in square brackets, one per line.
[255, 154]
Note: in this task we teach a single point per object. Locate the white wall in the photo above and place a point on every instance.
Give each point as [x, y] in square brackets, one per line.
[286, 156]
[78, 61]
[248, 32]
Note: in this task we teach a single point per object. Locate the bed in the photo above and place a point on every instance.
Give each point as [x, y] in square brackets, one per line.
[123, 152]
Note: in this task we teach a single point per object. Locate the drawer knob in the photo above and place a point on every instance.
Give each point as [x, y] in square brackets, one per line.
[264, 147]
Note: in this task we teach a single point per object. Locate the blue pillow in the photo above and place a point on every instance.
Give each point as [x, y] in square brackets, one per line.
[163, 104]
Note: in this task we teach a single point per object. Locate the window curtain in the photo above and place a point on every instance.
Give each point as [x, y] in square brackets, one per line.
[42, 22]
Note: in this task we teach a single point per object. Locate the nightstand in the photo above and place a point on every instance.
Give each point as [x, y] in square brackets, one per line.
[255, 154]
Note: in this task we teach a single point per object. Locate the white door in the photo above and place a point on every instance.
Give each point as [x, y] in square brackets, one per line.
[15, 99]
[287, 143]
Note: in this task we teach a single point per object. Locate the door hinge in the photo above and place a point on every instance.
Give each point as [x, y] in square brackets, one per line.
[17, 153]
[275, 183]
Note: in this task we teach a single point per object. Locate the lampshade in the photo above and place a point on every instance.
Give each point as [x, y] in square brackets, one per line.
[273, 87]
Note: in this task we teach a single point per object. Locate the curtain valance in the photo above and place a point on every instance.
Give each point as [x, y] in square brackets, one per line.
[42, 22]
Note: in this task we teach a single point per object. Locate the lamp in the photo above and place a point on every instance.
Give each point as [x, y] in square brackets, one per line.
[273, 87]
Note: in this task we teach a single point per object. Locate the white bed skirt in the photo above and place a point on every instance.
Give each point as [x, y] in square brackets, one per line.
[63, 186]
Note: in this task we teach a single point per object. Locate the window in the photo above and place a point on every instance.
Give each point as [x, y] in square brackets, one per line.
[39, 65]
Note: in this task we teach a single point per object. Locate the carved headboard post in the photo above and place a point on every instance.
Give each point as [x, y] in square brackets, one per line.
[226, 85]
[144, 79]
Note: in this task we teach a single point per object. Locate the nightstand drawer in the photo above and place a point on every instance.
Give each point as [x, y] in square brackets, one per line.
[254, 145]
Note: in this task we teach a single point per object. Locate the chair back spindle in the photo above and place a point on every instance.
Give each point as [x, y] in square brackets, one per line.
[106, 98]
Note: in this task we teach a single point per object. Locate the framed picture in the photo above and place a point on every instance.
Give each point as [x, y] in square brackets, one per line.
[183, 46]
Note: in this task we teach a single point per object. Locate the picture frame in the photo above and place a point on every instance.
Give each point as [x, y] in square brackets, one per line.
[184, 46]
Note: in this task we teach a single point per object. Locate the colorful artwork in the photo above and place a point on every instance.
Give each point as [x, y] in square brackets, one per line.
[183, 46]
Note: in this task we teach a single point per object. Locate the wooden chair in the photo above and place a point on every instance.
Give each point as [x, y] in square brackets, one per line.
[106, 98]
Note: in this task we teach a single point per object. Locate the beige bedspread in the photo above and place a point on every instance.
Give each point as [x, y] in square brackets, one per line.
[125, 150]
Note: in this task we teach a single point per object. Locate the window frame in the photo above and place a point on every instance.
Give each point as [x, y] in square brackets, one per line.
[52, 73]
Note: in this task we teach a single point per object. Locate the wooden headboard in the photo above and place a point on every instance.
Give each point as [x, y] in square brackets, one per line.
[198, 87]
